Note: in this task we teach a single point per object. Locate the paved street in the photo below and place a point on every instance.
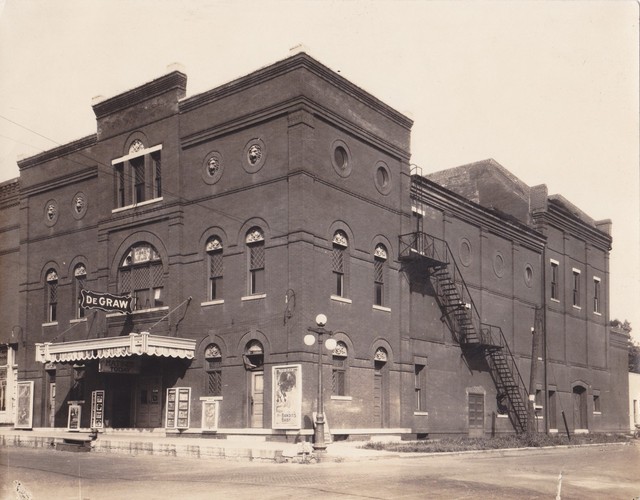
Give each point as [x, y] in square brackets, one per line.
[611, 472]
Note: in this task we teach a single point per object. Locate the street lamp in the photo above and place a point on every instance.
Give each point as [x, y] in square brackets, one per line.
[318, 434]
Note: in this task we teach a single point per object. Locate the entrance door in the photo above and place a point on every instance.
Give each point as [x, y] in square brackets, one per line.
[256, 402]
[52, 401]
[148, 402]
[476, 415]
[380, 397]
[121, 404]
[579, 407]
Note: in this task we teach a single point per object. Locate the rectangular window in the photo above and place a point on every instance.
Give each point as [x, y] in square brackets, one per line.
[338, 377]
[596, 295]
[553, 423]
[576, 287]
[79, 284]
[120, 193]
[420, 383]
[3, 389]
[215, 275]
[137, 164]
[157, 174]
[256, 269]
[596, 403]
[214, 383]
[378, 282]
[338, 270]
[554, 280]
[52, 306]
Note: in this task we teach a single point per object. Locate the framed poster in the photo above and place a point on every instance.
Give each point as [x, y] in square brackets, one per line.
[210, 414]
[287, 397]
[97, 409]
[24, 406]
[73, 422]
[178, 410]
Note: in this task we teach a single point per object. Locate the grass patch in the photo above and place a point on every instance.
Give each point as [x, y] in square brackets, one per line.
[497, 443]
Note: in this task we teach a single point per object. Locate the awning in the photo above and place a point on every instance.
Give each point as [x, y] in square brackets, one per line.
[116, 347]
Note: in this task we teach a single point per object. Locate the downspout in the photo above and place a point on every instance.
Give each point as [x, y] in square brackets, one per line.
[544, 338]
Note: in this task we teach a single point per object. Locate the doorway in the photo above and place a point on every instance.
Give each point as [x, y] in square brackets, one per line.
[256, 401]
[149, 402]
[580, 408]
[476, 415]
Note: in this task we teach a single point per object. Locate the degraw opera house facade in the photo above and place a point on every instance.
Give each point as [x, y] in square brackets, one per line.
[164, 271]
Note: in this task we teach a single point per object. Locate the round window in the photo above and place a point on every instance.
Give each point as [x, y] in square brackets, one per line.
[465, 252]
[382, 178]
[341, 158]
[498, 265]
[528, 275]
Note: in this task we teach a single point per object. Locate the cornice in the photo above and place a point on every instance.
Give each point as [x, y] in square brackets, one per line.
[619, 338]
[63, 150]
[81, 175]
[283, 108]
[174, 80]
[569, 223]
[298, 61]
[426, 191]
[10, 193]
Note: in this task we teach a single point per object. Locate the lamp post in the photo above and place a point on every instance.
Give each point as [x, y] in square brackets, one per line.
[318, 434]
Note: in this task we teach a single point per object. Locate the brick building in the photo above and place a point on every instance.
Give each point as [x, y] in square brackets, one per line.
[233, 217]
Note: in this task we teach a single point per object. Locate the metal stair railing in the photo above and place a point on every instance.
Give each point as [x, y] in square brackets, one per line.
[454, 297]
[506, 375]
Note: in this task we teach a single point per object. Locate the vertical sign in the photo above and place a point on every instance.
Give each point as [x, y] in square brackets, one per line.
[97, 409]
[73, 423]
[287, 397]
[210, 414]
[24, 407]
[178, 408]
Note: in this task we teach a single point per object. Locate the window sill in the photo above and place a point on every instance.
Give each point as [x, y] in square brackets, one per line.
[257, 296]
[581, 431]
[597, 313]
[553, 431]
[210, 398]
[212, 302]
[342, 398]
[135, 205]
[597, 413]
[337, 298]
[78, 320]
[52, 323]
[420, 413]
[381, 308]
[577, 307]
[555, 300]
[502, 415]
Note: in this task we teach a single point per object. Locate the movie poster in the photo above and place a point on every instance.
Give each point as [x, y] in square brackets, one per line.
[287, 397]
[210, 414]
[24, 407]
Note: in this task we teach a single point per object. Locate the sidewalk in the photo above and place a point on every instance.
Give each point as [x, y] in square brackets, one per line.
[149, 443]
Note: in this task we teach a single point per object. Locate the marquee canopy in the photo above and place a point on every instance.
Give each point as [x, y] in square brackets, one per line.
[116, 347]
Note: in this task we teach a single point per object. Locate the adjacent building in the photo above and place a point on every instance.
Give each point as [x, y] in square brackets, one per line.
[164, 271]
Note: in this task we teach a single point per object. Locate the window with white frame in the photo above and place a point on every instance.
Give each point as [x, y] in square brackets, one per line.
[576, 287]
[555, 275]
[339, 369]
[79, 280]
[4, 362]
[596, 295]
[214, 254]
[141, 274]
[420, 387]
[51, 290]
[379, 271]
[256, 261]
[340, 244]
[138, 175]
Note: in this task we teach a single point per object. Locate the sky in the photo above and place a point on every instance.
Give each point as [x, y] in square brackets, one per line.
[549, 89]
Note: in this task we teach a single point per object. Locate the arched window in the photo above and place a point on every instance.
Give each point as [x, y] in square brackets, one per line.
[214, 252]
[339, 369]
[339, 264]
[256, 261]
[51, 290]
[379, 272]
[141, 275]
[79, 280]
[213, 362]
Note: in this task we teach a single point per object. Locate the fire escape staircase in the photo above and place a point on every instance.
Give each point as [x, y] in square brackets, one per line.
[433, 257]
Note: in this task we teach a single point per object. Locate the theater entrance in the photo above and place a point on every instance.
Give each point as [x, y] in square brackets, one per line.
[149, 402]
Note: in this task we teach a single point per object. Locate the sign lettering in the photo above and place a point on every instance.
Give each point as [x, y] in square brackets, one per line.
[105, 301]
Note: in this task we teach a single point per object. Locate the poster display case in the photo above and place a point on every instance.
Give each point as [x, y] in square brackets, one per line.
[178, 412]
